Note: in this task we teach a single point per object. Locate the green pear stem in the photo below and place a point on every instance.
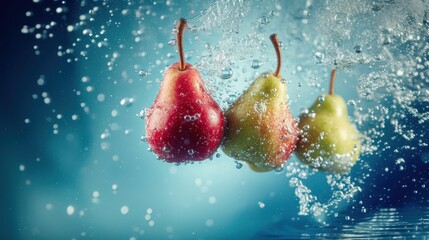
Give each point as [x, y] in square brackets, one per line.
[274, 39]
[331, 85]
[181, 25]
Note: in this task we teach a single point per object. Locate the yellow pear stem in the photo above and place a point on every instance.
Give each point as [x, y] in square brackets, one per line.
[181, 25]
[331, 85]
[275, 40]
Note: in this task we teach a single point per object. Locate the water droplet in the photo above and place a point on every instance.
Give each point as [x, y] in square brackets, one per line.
[209, 222]
[143, 74]
[264, 20]
[340, 18]
[95, 194]
[41, 80]
[306, 127]
[231, 99]
[238, 165]
[70, 210]
[172, 42]
[322, 98]
[141, 114]
[101, 97]
[318, 56]
[279, 168]
[376, 7]
[212, 200]
[21, 167]
[124, 210]
[399, 161]
[358, 49]
[255, 64]
[166, 149]
[127, 102]
[218, 155]
[226, 73]
[187, 118]
[191, 152]
[387, 40]
[351, 103]
[261, 204]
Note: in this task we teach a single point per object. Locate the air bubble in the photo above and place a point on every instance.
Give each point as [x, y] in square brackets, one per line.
[124, 210]
[22, 167]
[226, 73]
[255, 64]
[166, 149]
[238, 165]
[70, 210]
[191, 152]
[143, 74]
[318, 56]
[358, 49]
[351, 103]
[187, 118]
[279, 168]
[387, 40]
[127, 102]
[172, 42]
[377, 7]
[264, 20]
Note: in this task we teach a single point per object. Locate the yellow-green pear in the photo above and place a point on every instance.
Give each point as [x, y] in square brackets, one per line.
[259, 128]
[328, 140]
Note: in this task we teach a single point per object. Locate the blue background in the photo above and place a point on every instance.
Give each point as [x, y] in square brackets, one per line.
[67, 168]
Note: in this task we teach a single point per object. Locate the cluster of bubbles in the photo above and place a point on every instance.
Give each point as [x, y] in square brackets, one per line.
[380, 44]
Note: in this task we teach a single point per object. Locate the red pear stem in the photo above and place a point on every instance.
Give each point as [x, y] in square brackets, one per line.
[331, 85]
[181, 25]
[276, 44]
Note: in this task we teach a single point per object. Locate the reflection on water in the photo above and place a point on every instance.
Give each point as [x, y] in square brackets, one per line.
[385, 223]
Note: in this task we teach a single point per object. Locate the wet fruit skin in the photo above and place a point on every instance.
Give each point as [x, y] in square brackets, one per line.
[328, 140]
[260, 129]
[185, 122]
[264, 139]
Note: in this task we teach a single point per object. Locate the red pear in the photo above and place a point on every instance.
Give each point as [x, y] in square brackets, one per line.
[185, 122]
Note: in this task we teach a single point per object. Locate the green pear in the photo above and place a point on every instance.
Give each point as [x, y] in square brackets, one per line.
[260, 129]
[328, 140]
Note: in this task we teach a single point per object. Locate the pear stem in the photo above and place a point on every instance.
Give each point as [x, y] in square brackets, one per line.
[181, 25]
[274, 39]
[331, 85]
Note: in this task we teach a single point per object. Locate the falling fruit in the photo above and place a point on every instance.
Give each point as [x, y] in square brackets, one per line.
[185, 122]
[328, 140]
[260, 129]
